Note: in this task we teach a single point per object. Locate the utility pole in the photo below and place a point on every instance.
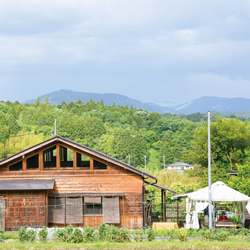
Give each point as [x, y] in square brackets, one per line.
[145, 162]
[209, 174]
[55, 127]
[164, 161]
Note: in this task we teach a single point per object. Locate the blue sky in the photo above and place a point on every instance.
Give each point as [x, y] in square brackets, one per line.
[150, 50]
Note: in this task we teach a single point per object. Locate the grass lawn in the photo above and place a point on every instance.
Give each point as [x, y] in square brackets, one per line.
[233, 243]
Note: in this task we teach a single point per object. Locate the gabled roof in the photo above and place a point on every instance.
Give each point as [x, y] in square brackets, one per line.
[80, 147]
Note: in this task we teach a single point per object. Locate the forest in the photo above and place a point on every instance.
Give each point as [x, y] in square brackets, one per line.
[137, 137]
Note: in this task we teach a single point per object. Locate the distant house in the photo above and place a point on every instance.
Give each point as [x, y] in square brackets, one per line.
[179, 166]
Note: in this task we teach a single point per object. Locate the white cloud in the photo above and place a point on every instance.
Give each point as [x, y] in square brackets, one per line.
[217, 85]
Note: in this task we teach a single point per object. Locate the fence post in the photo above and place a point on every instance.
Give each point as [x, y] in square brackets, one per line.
[94, 210]
[55, 211]
[35, 213]
[74, 213]
[26, 211]
[123, 212]
[103, 202]
[133, 212]
[1, 218]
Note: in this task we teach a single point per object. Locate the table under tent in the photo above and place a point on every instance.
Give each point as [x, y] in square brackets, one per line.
[221, 193]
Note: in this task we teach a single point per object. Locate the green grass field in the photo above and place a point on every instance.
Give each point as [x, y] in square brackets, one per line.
[234, 242]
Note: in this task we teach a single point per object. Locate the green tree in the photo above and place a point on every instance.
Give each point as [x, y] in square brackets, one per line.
[230, 140]
[167, 149]
[241, 182]
[13, 125]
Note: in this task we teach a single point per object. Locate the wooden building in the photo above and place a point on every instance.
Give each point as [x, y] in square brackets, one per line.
[60, 182]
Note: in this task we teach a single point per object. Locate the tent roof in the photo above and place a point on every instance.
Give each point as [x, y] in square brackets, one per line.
[220, 192]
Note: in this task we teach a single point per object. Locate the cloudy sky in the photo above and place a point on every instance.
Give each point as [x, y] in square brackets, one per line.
[150, 50]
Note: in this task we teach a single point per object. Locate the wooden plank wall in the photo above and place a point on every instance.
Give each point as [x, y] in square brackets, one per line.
[113, 180]
[24, 208]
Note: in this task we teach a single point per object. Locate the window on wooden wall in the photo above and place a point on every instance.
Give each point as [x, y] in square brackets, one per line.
[92, 206]
[83, 161]
[111, 210]
[16, 167]
[33, 162]
[99, 166]
[49, 158]
[65, 210]
[66, 157]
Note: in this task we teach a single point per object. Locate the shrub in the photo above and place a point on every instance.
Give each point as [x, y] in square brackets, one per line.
[150, 234]
[122, 235]
[26, 235]
[64, 235]
[182, 234]
[58, 234]
[77, 236]
[31, 235]
[138, 235]
[213, 235]
[43, 234]
[89, 234]
[102, 231]
[22, 234]
[112, 232]
[244, 231]
[172, 234]
[2, 236]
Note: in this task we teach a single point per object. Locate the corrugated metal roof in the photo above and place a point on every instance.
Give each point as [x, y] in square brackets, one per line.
[179, 164]
[85, 194]
[27, 184]
[161, 187]
[65, 140]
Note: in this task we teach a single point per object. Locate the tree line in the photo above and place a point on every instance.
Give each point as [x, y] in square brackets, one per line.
[130, 134]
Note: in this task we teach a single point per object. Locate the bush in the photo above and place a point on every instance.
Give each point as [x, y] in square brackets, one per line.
[43, 234]
[122, 235]
[77, 236]
[213, 235]
[112, 232]
[22, 234]
[172, 234]
[244, 231]
[2, 236]
[64, 235]
[182, 234]
[31, 235]
[102, 231]
[150, 234]
[89, 234]
[26, 235]
[138, 235]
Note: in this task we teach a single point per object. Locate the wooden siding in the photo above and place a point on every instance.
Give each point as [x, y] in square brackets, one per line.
[24, 208]
[113, 180]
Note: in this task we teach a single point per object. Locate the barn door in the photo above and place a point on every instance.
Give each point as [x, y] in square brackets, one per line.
[2, 214]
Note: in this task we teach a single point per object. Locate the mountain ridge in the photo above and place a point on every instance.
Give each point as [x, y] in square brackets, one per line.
[201, 105]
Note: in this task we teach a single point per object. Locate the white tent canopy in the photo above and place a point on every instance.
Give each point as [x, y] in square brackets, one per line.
[220, 192]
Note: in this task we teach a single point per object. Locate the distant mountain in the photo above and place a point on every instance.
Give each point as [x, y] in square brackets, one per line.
[209, 103]
[202, 105]
[58, 97]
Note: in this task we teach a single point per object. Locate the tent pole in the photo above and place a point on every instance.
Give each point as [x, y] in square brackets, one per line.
[209, 174]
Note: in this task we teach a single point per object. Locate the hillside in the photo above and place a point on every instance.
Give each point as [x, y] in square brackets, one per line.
[58, 97]
[201, 105]
[219, 104]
